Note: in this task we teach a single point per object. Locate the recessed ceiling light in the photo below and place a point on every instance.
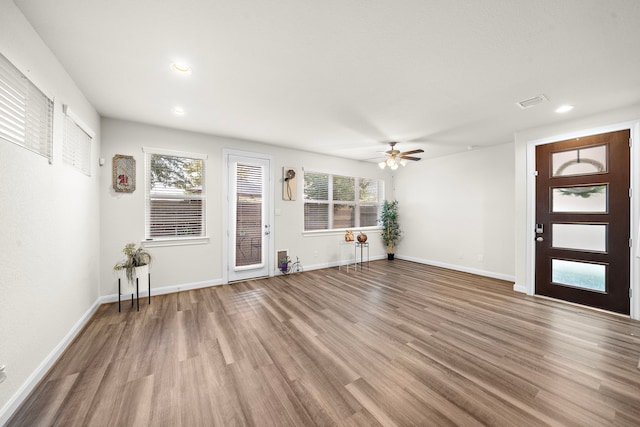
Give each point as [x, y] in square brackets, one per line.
[181, 68]
[564, 108]
[178, 111]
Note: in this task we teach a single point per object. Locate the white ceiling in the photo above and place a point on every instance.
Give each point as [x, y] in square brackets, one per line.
[346, 76]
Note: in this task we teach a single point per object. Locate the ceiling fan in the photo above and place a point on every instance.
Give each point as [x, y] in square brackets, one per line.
[395, 157]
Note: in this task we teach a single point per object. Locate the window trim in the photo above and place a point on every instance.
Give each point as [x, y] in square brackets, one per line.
[331, 203]
[173, 240]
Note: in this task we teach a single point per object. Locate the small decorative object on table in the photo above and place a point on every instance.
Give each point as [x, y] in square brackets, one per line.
[134, 266]
[362, 237]
[348, 236]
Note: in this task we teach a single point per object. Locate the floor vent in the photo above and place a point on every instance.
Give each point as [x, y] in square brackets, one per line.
[532, 102]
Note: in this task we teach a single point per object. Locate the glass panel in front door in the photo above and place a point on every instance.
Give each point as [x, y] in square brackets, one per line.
[580, 198]
[583, 161]
[579, 274]
[581, 237]
[249, 197]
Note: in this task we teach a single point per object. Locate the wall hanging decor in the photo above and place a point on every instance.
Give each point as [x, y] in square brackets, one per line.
[124, 173]
[289, 188]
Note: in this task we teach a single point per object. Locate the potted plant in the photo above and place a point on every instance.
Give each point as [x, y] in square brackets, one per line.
[390, 228]
[135, 260]
[283, 264]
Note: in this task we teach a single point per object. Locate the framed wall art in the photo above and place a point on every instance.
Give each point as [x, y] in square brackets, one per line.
[124, 173]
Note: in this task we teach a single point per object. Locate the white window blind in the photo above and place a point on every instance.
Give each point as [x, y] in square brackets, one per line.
[249, 214]
[26, 114]
[316, 206]
[369, 195]
[337, 202]
[175, 196]
[76, 146]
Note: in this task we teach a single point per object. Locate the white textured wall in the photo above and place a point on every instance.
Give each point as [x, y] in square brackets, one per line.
[123, 214]
[458, 209]
[49, 267]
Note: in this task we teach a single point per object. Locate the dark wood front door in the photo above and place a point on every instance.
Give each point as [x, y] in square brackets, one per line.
[583, 220]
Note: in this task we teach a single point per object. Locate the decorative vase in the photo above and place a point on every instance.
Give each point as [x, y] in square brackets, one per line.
[348, 236]
[362, 238]
[390, 257]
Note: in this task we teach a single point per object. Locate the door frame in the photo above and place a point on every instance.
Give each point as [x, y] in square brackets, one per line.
[226, 152]
[530, 252]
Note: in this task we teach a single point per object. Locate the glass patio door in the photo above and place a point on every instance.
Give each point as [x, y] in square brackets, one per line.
[249, 226]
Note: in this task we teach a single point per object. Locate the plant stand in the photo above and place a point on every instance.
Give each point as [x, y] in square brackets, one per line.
[342, 245]
[137, 292]
[362, 245]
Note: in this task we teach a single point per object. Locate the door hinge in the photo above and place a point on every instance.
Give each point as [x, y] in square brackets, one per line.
[630, 193]
[630, 293]
[630, 142]
[535, 173]
[630, 242]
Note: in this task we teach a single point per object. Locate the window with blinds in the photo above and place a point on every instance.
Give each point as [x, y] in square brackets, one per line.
[26, 114]
[76, 145]
[335, 202]
[175, 195]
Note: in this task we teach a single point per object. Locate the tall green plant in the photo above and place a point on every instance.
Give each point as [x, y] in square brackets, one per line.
[390, 227]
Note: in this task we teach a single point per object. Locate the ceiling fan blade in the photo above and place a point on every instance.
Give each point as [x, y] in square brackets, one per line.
[420, 150]
[410, 158]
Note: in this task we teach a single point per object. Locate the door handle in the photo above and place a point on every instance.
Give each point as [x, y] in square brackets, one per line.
[539, 239]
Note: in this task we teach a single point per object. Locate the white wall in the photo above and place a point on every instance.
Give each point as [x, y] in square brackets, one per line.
[524, 143]
[457, 211]
[123, 214]
[50, 263]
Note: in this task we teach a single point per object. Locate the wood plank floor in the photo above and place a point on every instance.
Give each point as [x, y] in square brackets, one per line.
[398, 344]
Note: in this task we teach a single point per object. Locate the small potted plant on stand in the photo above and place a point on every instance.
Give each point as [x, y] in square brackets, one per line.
[390, 227]
[134, 265]
[283, 264]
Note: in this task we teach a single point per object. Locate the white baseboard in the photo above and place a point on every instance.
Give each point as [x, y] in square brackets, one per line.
[479, 272]
[519, 288]
[27, 387]
[164, 290]
[338, 263]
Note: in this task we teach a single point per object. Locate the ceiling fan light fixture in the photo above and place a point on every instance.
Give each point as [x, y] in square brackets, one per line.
[391, 162]
[394, 166]
[403, 162]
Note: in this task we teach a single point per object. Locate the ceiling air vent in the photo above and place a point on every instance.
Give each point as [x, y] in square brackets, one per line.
[532, 102]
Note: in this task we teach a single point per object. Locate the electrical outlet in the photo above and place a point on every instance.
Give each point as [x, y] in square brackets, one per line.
[480, 258]
[3, 373]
